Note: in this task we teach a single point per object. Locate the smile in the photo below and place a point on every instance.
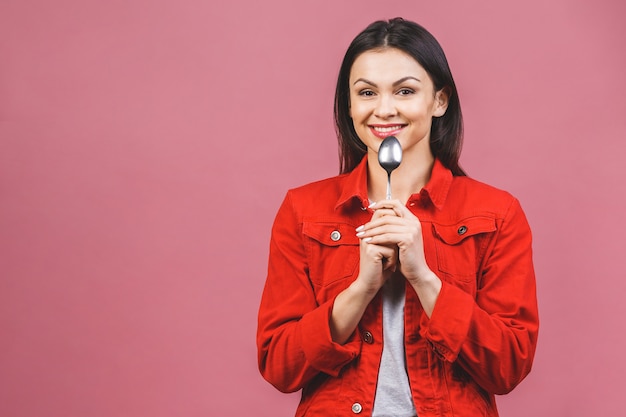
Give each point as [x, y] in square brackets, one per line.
[386, 130]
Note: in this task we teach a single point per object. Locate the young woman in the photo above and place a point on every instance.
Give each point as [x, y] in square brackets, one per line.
[420, 305]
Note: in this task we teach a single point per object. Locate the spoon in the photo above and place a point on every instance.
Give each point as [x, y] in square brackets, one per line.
[389, 157]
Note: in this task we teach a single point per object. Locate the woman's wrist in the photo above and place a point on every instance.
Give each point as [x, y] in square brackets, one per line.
[427, 288]
[348, 309]
[424, 279]
[361, 290]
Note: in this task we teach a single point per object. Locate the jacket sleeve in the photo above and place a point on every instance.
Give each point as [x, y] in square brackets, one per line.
[293, 335]
[494, 335]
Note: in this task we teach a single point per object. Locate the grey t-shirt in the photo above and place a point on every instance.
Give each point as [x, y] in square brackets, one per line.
[393, 392]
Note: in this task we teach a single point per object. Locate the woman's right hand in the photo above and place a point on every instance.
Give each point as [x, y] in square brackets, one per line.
[376, 265]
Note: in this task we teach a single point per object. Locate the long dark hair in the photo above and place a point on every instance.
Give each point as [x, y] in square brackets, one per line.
[446, 134]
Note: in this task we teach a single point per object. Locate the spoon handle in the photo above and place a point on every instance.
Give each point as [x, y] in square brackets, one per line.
[389, 186]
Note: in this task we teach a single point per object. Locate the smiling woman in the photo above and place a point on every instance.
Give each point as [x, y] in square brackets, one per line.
[428, 306]
[392, 95]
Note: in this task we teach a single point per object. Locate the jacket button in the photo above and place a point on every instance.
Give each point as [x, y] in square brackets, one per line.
[368, 338]
[357, 408]
[335, 235]
[462, 230]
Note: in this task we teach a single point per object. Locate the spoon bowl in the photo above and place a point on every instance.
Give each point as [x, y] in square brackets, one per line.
[389, 158]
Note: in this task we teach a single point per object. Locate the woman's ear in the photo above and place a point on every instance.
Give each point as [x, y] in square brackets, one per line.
[442, 98]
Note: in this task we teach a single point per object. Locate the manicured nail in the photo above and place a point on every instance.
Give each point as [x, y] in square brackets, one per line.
[360, 234]
[360, 228]
[372, 205]
[367, 239]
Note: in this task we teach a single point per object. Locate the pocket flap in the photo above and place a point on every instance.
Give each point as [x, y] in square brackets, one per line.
[455, 233]
[331, 234]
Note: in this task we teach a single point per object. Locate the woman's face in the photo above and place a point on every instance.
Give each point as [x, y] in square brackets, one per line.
[392, 95]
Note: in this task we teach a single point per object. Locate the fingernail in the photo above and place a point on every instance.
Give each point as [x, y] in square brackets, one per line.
[372, 205]
[367, 239]
[360, 228]
[360, 234]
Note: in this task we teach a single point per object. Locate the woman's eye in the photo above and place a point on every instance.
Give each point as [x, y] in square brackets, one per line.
[405, 92]
[366, 93]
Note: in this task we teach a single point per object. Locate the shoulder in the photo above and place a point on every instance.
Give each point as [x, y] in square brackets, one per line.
[472, 185]
[481, 196]
[315, 198]
[321, 192]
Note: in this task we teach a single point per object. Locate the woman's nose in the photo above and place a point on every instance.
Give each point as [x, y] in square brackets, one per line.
[385, 107]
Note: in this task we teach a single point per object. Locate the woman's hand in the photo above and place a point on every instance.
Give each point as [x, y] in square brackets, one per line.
[394, 229]
[394, 226]
[377, 263]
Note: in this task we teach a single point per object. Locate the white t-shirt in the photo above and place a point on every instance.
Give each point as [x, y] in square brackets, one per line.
[393, 391]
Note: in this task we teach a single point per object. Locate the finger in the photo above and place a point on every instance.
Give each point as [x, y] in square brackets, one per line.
[391, 239]
[381, 224]
[382, 228]
[390, 231]
[376, 251]
[383, 212]
[398, 208]
[391, 263]
[385, 258]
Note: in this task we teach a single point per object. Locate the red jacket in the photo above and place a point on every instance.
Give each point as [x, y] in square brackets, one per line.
[480, 339]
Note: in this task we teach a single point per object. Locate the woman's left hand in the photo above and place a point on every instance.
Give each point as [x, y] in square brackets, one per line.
[394, 225]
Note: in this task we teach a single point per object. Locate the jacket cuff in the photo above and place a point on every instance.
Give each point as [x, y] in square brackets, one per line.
[448, 326]
[319, 349]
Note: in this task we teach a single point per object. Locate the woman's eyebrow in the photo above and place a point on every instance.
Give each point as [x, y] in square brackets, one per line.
[396, 83]
[401, 80]
[365, 81]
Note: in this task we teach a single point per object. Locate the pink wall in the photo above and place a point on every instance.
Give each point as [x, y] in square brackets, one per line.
[146, 145]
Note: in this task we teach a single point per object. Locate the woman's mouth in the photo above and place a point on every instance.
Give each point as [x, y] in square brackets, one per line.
[383, 131]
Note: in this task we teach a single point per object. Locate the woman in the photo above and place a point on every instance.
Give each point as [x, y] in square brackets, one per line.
[420, 305]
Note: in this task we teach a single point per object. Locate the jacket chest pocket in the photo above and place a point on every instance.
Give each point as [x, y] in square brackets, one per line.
[332, 249]
[461, 246]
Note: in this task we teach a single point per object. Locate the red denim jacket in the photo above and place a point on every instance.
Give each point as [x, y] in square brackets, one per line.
[480, 339]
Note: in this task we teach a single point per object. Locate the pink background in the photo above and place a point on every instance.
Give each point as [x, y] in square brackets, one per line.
[145, 147]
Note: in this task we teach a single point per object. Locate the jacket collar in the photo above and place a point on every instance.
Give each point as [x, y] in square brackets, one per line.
[435, 191]
[438, 186]
[355, 186]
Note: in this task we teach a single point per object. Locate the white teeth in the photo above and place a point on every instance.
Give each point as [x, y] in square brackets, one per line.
[386, 128]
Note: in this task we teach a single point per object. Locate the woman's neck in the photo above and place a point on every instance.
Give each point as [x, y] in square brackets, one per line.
[409, 178]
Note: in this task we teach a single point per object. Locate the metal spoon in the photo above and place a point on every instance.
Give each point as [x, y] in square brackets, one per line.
[389, 157]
